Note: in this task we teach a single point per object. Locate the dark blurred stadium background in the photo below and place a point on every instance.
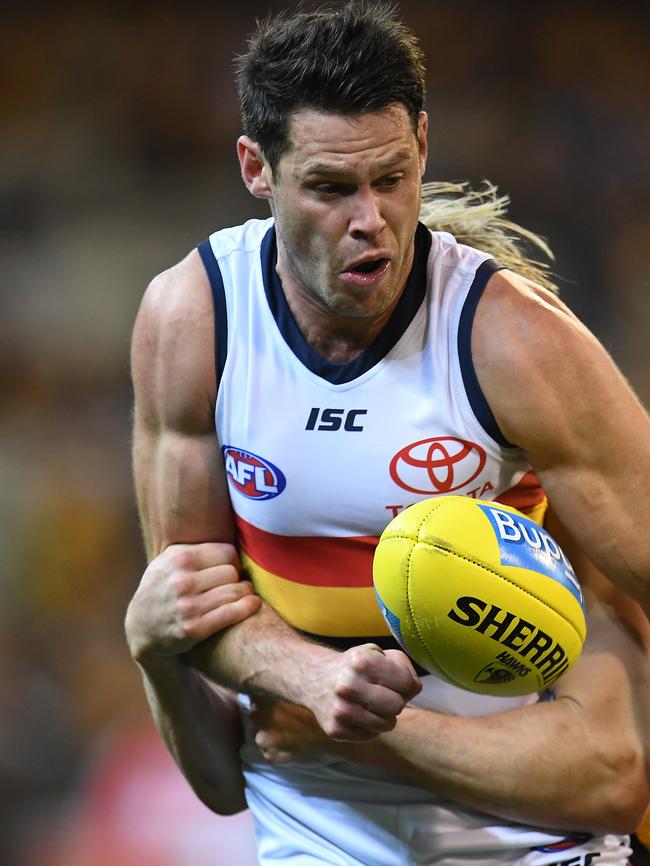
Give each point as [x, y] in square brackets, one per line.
[117, 130]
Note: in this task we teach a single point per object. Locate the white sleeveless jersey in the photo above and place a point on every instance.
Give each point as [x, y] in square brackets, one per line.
[319, 457]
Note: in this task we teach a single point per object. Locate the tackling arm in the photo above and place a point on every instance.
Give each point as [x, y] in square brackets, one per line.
[190, 593]
[191, 588]
[576, 763]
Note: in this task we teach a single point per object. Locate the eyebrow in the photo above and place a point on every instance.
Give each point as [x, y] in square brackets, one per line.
[323, 168]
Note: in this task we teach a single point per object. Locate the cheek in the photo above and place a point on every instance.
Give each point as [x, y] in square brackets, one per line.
[315, 231]
[407, 211]
[296, 223]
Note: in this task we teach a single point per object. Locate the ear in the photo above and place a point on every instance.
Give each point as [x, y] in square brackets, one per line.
[254, 170]
[423, 142]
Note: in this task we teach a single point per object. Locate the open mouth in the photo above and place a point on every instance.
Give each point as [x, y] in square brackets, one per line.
[370, 267]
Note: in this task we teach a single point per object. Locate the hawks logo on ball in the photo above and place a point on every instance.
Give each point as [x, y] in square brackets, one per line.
[480, 595]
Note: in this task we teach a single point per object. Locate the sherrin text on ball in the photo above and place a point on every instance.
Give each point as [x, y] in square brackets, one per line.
[480, 595]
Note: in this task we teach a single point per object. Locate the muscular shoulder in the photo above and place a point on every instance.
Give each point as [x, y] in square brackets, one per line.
[172, 352]
[535, 360]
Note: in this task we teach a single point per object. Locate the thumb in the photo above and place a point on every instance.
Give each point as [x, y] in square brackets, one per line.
[402, 659]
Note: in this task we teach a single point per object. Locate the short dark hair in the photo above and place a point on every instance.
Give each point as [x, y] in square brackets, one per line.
[350, 60]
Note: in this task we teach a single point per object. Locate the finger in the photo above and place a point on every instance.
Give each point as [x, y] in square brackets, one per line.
[215, 575]
[267, 739]
[377, 723]
[357, 723]
[378, 699]
[383, 702]
[401, 658]
[191, 607]
[211, 599]
[282, 757]
[378, 681]
[352, 734]
[229, 614]
[394, 671]
[204, 555]
[192, 583]
[276, 756]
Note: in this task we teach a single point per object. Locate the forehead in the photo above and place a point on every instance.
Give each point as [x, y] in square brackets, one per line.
[324, 140]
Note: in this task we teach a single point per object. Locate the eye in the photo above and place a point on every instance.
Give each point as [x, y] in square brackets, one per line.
[329, 188]
[391, 180]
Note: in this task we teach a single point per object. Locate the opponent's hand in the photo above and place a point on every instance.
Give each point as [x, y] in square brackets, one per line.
[362, 691]
[286, 732]
[187, 593]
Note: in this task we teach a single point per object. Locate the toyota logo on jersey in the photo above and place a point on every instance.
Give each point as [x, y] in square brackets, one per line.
[439, 465]
[252, 475]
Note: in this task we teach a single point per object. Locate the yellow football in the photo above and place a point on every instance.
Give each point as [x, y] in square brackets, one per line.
[480, 595]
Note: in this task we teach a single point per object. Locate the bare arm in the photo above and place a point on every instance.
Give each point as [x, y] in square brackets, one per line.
[576, 763]
[557, 394]
[191, 587]
[190, 593]
[355, 695]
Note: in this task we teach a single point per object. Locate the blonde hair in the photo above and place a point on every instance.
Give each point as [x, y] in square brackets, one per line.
[477, 217]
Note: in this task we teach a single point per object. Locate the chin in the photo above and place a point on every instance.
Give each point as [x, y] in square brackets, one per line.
[368, 310]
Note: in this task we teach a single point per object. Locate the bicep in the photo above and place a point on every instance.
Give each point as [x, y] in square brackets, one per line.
[178, 469]
[558, 395]
[181, 488]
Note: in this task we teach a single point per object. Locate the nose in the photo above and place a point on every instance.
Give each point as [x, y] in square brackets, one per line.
[366, 219]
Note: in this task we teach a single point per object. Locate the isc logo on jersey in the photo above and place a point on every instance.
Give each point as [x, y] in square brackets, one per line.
[252, 475]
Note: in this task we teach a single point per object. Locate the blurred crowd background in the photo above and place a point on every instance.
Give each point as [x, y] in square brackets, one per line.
[117, 130]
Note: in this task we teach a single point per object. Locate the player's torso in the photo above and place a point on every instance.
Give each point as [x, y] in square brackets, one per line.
[320, 457]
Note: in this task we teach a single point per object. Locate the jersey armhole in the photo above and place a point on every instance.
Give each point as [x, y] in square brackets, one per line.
[219, 309]
[475, 395]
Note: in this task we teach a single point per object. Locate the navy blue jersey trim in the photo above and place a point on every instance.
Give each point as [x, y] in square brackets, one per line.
[213, 271]
[338, 374]
[473, 389]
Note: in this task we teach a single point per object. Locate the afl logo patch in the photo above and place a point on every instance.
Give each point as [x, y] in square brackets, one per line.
[251, 475]
[439, 465]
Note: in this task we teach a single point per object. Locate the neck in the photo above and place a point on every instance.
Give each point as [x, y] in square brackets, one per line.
[338, 339]
[337, 336]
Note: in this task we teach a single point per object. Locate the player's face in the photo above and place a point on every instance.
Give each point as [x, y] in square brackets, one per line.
[346, 199]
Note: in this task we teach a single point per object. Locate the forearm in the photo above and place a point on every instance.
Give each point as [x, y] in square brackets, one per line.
[541, 764]
[354, 695]
[263, 655]
[576, 763]
[201, 727]
[480, 764]
[537, 765]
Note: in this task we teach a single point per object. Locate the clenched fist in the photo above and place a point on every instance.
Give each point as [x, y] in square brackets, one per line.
[187, 594]
[361, 692]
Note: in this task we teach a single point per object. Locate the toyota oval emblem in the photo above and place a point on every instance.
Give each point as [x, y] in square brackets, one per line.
[439, 465]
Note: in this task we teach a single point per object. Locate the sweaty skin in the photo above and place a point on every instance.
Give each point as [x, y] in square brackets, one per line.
[347, 193]
[585, 749]
[345, 196]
